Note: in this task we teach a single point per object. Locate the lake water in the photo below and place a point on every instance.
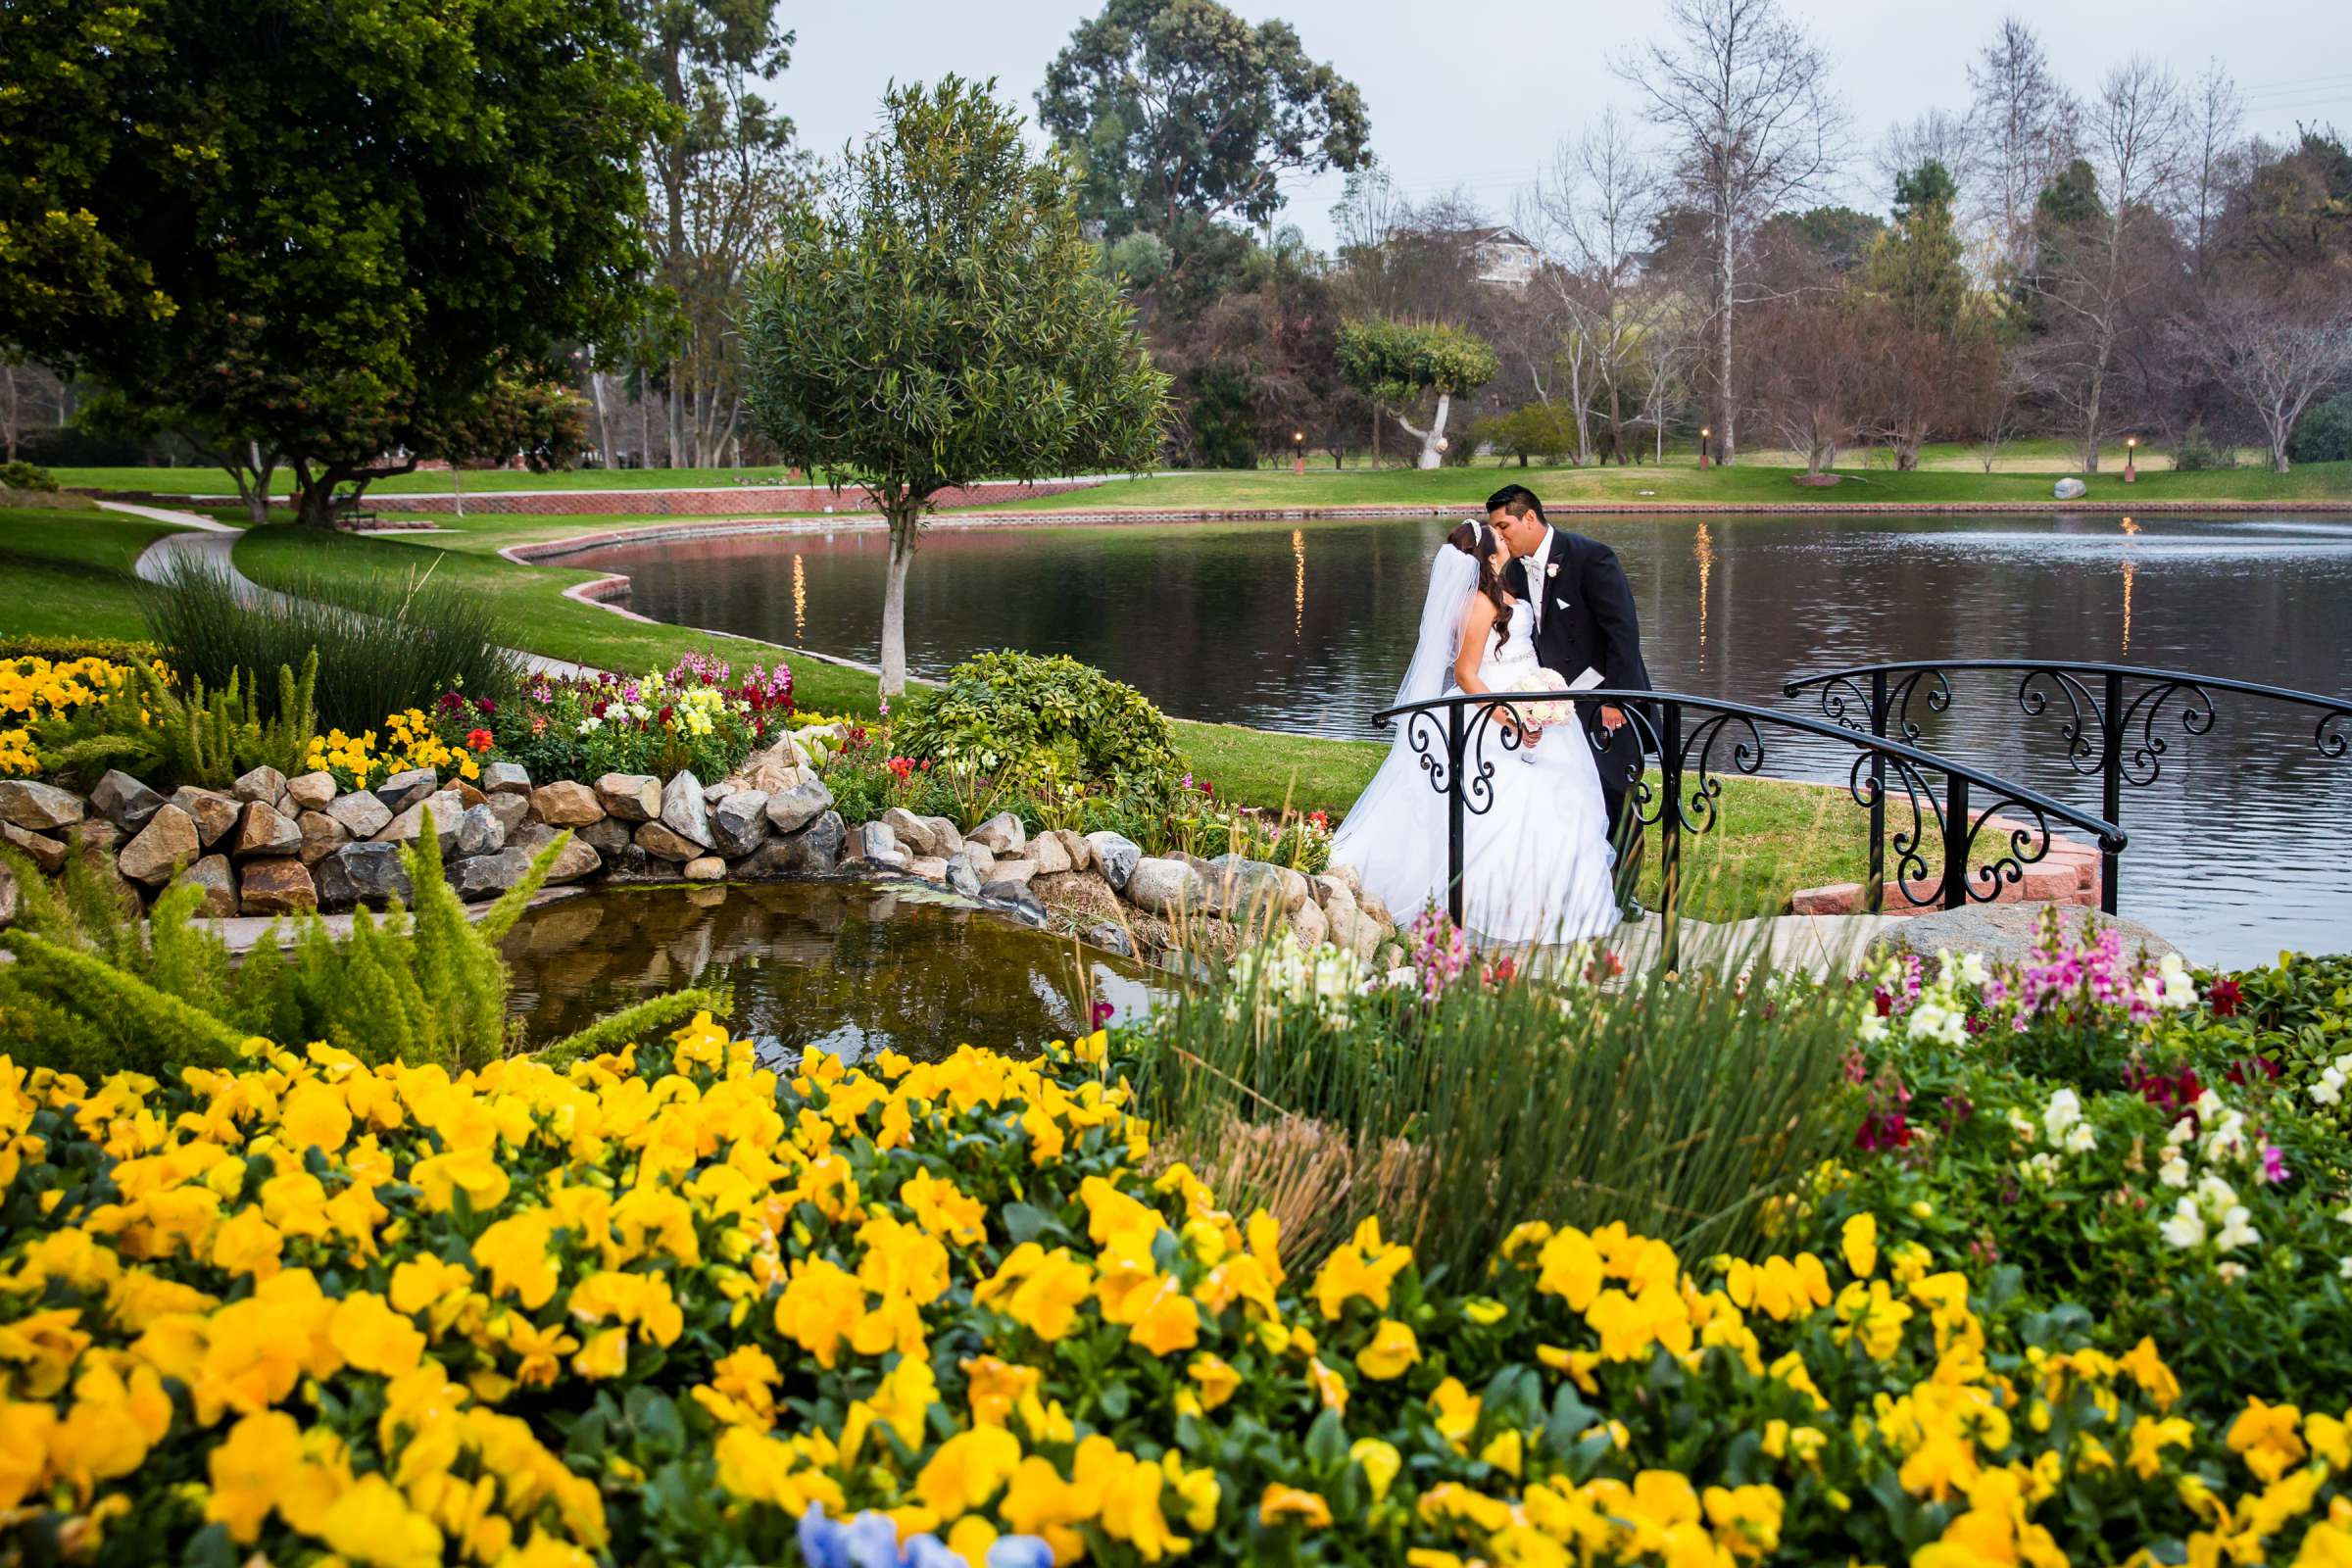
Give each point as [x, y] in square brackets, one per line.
[2237, 851]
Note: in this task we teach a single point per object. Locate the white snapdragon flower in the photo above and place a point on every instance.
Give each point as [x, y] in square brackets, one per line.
[2081, 1139]
[1934, 1023]
[2329, 1090]
[2345, 1268]
[2020, 1124]
[2215, 1196]
[2180, 987]
[2173, 1172]
[591, 724]
[2181, 1131]
[2041, 1169]
[1971, 969]
[2063, 1112]
[2187, 1228]
[2235, 1232]
[1872, 1029]
[2225, 1138]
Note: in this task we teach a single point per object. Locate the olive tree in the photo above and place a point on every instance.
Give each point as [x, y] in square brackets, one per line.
[1396, 363]
[935, 318]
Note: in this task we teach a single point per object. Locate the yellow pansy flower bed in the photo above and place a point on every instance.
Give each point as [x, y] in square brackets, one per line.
[658, 1306]
[35, 692]
[407, 741]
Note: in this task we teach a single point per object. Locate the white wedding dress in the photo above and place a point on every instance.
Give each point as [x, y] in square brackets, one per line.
[1536, 861]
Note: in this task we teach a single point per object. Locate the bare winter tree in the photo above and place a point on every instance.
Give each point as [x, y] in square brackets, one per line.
[1935, 136]
[2217, 156]
[1592, 212]
[2274, 356]
[2023, 126]
[1742, 92]
[2095, 267]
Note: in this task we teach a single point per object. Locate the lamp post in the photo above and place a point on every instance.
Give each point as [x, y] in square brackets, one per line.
[2130, 450]
[1299, 453]
[1706, 434]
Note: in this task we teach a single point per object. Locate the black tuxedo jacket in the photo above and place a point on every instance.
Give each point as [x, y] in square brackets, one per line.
[1585, 620]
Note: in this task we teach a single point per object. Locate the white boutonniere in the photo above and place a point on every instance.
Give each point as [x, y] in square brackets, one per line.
[1551, 568]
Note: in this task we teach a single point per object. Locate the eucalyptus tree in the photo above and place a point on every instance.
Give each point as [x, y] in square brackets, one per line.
[935, 318]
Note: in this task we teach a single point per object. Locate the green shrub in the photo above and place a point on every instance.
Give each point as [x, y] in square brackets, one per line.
[1040, 722]
[385, 643]
[192, 736]
[1544, 432]
[2195, 451]
[2325, 432]
[25, 476]
[57, 649]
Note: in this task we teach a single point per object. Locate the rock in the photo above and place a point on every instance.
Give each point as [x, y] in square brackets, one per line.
[506, 778]
[1166, 886]
[468, 796]
[322, 836]
[566, 803]
[404, 790]
[577, 860]
[1018, 872]
[1352, 929]
[262, 830]
[1309, 929]
[626, 862]
[44, 851]
[214, 814]
[1116, 854]
[8, 897]
[2069, 490]
[1370, 903]
[95, 836]
[409, 825]
[1046, 854]
[946, 837]
[123, 801]
[363, 814]
[38, 807]
[2003, 933]
[793, 809]
[1329, 890]
[166, 845]
[373, 875]
[915, 832]
[1081, 894]
[94, 844]
[815, 851]
[739, 822]
[1257, 884]
[683, 811]
[265, 785]
[874, 843]
[705, 868]
[930, 868]
[220, 885]
[1003, 833]
[657, 838]
[1015, 899]
[982, 857]
[713, 794]
[961, 876]
[1110, 938]
[281, 886]
[480, 832]
[779, 769]
[631, 796]
[511, 809]
[605, 836]
[486, 876]
[311, 790]
[1081, 853]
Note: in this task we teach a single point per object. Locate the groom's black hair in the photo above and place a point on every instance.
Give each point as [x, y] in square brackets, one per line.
[1517, 500]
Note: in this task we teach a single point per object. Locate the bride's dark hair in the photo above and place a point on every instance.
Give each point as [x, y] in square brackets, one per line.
[1478, 541]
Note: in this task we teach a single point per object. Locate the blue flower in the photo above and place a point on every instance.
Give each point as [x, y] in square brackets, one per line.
[872, 1541]
[1019, 1552]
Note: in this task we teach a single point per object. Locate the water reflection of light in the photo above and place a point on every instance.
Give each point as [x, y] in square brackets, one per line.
[1297, 582]
[800, 599]
[2130, 571]
[1702, 548]
[2129, 526]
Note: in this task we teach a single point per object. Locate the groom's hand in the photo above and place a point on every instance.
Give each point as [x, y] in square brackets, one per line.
[1612, 717]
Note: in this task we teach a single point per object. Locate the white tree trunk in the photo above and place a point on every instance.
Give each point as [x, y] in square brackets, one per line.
[1576, 401]
[1432, 439]
[894, 606]
[1726, 278]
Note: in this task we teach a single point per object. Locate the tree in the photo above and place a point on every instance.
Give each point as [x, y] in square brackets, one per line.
[376, 240]
[1179, 110]
[1594, 208]
[1811, 370]
[2023, 129]
[1396, 363]
[935, 318]
[1744, 93]
[2276, 357]
[1915, 274]
[2216, 154]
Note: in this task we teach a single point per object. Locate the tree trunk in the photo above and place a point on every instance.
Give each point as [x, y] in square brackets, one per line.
[677, 417]
[1906, 455]
[906, 517]
[1726, 446]
[1430, 457]
[603, 435]
[257, 500]
[1576, 401]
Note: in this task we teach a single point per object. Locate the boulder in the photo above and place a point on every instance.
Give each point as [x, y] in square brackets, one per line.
[874, 843]
[566, 803]
[166, 845]
[211, 874]
[311, 792]
[506, 778]
[739, 822]
[915, 832]
[1110, 938]
[1116, 854]
[322, 836]
[277, 886]
[44, 852]
[95, 836]
[631, 796]
[263, 830]
[2003, 933]
[1370, 903]
[705, 868]
[1003, 833]
[214, 814]
[8, 897]
[1354, 930]
[577, 860]
[1014, 898]
[1081, 894]
[1308, 927]
[1074, 845]
[2069, 490]
[486, 876]
[1166, 886]
[38, 808]
[265, 785]
[1020, 872]
[404, 790]
[961, 876]
[626, 862]
[511, 809]
[123, 801]
[657, 839]
[468, 795]
[605, 835]
[780, 767]
[363, 814]
[1329, 890]
[930, 868]
[793, 809]
[480, 832]
[815, 851]
[946, 837]
[713, 794]
[1250, 885]
[982, 857]
[445, 808]
[373, 875]
[683, 810]
[1048, 853]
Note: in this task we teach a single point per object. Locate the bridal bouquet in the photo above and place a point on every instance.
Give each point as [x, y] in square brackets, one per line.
[1541, 714]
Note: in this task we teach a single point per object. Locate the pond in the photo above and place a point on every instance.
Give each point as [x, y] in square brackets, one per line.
[851, 968]
[1307, 628]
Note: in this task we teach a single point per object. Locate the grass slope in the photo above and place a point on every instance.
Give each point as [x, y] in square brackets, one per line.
[66, 572]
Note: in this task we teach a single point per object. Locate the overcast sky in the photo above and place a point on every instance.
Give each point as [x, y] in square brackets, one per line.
[1476, 93]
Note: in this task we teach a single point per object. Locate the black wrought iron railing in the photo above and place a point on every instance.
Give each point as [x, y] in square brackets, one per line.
[2108, 716]
[1700, 741]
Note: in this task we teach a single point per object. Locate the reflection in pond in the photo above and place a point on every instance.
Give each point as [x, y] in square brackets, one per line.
[849, 967]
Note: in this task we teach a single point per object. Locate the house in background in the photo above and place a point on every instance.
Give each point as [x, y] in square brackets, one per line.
[1503, 255]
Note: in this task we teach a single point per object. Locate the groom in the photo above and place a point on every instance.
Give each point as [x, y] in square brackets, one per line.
[1584, 619]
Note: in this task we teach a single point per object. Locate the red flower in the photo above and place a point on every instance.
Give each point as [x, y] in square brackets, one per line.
[478, 740]
[484, 706]
[2223, 996]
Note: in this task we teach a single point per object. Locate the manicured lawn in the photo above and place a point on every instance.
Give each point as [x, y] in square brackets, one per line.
[216, 481]
[68, 573]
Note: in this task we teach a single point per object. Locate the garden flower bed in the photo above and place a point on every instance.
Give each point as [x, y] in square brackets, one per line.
[666, 1306]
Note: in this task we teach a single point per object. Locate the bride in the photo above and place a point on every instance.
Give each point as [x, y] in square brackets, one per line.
[1535, 864]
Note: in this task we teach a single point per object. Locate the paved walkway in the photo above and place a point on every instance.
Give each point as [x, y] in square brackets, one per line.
[214, 543]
